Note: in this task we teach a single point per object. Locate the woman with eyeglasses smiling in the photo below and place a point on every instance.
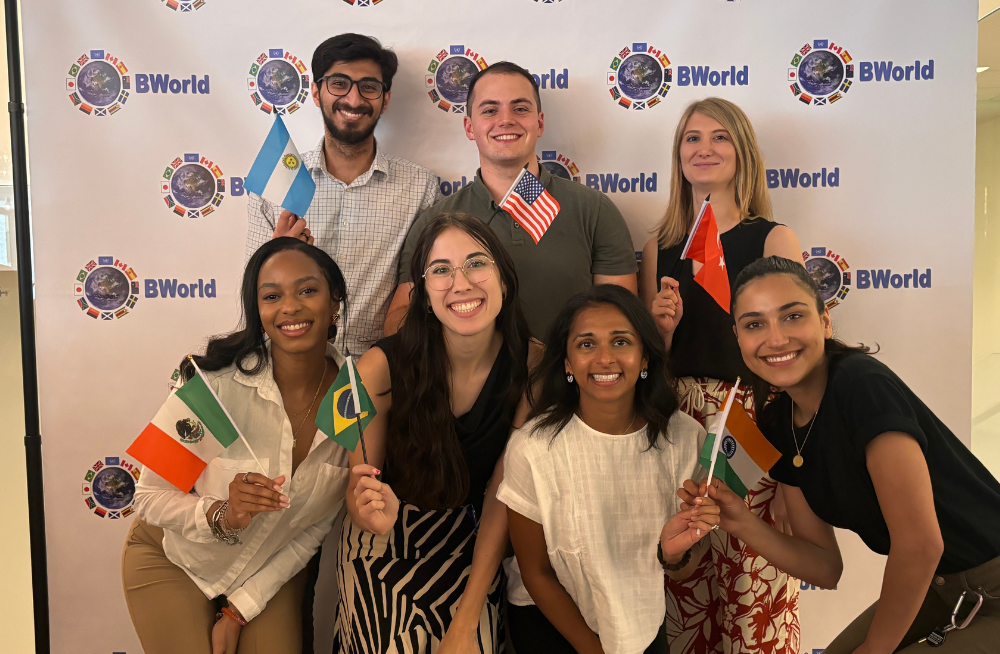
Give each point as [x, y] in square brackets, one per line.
[420, 553]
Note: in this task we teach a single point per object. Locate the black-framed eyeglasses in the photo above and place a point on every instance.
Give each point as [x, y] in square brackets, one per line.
[341, 85]
[441, 276]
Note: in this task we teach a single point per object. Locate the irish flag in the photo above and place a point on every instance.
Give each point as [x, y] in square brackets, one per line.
[746, 454]
[190, 429]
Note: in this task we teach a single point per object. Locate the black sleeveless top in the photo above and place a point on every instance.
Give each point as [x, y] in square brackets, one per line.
[704, 344]
[482, 432]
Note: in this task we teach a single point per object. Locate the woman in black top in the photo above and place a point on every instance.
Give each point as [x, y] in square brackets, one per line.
[860, 451]
[422, 572]
[715, 151]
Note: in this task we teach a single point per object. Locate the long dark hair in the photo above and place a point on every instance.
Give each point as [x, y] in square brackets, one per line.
[246, 345]
[775, 265]
[655, 397]
[423, 449]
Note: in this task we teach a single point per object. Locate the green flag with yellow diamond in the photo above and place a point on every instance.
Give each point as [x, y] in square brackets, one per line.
[336, 417]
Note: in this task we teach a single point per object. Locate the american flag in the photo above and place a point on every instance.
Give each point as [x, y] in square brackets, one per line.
[531, 205]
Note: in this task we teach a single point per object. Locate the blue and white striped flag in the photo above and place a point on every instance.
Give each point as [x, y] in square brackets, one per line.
[279, 175]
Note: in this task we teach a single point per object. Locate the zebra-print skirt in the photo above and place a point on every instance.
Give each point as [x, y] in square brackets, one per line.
[398, 592]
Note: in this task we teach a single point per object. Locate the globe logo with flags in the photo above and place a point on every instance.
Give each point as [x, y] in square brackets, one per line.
[98, 83]
[639, 76]
[831, 273]
[363, 3]
[560, 165]
[109, 487]
[184, 5]
[448, 76]
[821, 72]
[192, 186]
[278, 82]
[106, 289]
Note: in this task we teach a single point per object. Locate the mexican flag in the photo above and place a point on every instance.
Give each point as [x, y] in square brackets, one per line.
[190, 429]
[346, 399]
[747, 454]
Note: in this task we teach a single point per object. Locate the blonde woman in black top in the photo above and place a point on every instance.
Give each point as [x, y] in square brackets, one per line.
[715, 151]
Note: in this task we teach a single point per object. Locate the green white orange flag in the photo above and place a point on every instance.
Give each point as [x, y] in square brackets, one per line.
[190, 429]
[346, 399]
[747, 454]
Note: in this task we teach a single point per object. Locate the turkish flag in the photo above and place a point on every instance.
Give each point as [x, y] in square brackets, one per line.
[706, 247]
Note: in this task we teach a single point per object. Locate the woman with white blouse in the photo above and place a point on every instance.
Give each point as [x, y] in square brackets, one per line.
[220, 570]
[589, 485]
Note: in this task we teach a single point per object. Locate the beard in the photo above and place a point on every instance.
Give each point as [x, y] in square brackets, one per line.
[349, 136]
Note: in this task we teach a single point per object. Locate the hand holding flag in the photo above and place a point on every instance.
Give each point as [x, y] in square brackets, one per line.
[278, 173]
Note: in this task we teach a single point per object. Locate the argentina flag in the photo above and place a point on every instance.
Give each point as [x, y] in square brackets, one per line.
[279, 175]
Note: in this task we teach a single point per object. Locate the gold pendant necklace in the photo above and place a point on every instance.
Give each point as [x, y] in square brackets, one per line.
[797, 460]
[309, 408]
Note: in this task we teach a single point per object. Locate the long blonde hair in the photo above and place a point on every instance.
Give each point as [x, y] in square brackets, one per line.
[751, 184]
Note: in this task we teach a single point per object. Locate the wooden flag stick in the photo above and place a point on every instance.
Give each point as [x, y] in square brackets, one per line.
[720, 428]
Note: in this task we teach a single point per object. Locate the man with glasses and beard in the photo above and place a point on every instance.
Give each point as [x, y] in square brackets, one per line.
[365, 199]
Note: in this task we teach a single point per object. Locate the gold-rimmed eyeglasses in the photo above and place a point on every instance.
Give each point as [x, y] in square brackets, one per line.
[441, 276]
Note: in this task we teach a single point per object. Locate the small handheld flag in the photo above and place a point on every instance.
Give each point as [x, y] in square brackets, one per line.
[278, 173]
[346, 409]
[530, 205]
[747, 454]
[190, 429]
[705, 245]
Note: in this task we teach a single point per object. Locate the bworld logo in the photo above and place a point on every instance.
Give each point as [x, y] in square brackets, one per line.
[108, 288]
[448, 76]
[157, 83]
[552, 79]
[362, 3]
[559, 165]
[193, 186]
[618, 183]
[109, 487]
[278, 82]
[185, 5]
[705, 76]
[98, 83]
[823, 72]
[796, 178]
[831, 273]
[639, 77]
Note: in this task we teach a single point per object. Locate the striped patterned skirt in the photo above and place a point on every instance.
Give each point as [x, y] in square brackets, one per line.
[398, 592]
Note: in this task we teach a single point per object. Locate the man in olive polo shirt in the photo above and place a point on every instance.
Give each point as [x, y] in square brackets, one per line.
[588, 242]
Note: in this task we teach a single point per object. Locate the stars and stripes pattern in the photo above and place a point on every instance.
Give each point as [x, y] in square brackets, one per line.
[399, 591]
[531, 205]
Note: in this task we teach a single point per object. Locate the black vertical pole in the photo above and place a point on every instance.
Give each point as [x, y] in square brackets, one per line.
[32, 438]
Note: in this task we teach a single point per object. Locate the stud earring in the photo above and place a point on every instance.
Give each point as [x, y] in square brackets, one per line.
[644, 373]
[569, 378]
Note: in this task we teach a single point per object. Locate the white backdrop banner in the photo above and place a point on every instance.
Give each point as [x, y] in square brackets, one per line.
[145, 115]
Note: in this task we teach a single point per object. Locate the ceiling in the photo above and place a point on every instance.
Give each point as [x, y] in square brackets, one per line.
[988, 81]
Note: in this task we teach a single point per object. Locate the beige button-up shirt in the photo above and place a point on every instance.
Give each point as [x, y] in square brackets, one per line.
[276, 545]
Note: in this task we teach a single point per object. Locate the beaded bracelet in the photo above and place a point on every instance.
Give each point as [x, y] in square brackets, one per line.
[232, 614]
[672, 567]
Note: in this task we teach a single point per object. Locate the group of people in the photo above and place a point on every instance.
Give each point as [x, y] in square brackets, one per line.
[531, 477]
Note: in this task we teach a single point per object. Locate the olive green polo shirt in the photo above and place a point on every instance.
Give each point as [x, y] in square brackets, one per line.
[588, 237]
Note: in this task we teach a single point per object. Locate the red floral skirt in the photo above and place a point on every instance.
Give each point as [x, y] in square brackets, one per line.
[735, 602]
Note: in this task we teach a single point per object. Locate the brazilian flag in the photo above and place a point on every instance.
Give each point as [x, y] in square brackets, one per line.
[336, 417]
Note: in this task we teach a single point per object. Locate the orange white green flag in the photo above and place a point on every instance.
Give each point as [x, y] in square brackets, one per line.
[190, 429]
[747, 455]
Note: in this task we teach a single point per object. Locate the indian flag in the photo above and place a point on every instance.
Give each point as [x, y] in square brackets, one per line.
[747, 454]
[190, 429]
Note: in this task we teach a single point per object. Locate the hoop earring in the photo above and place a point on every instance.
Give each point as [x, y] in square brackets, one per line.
[569, 378]
[644, 373]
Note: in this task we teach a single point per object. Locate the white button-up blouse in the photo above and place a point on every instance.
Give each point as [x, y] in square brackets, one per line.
[276, 545]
